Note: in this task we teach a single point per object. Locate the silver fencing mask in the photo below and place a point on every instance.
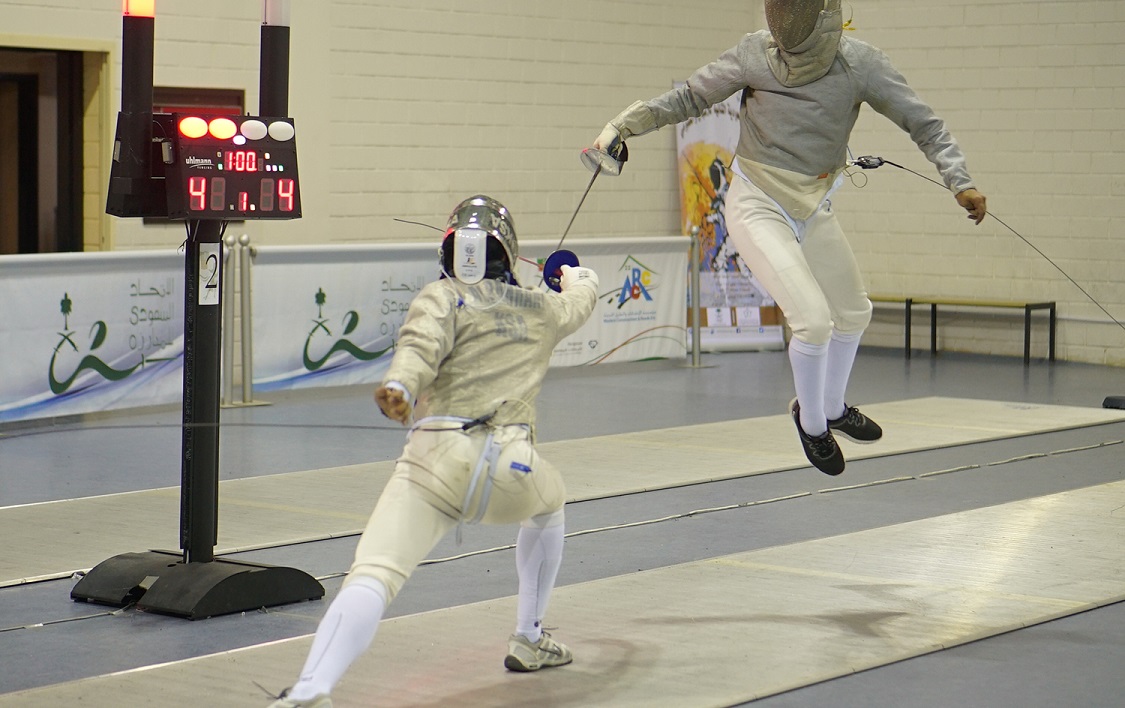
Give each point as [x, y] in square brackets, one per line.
[792, 21]
[806, 34]
[480, 242]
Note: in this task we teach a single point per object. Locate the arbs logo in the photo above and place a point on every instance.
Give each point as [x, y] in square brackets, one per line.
[638, 280]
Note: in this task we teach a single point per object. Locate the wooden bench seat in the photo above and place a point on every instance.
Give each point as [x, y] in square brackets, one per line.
[933, 302]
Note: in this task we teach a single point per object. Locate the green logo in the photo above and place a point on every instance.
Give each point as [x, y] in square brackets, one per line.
[350, 322]
[97, 337]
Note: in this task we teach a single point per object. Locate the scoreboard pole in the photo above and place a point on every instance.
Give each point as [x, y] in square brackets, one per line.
[199, 471]
[192, 583]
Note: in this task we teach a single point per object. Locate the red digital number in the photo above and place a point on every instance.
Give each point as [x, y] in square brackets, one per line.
[285, 189]
[244, 201]
[242, 161]
[197, 193]
[265, 201]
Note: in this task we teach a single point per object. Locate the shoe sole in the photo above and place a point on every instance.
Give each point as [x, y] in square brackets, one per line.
[512, 663]
[837, 433]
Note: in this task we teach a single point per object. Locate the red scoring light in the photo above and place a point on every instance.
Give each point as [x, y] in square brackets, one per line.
[138, 8]
[193, 127]
[222, 128]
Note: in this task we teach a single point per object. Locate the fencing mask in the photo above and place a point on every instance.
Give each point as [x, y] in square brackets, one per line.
[807, 34]
[480, 242]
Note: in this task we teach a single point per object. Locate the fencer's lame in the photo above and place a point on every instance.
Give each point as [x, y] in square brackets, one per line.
[810, 368]
[346, 631]
[842, 349]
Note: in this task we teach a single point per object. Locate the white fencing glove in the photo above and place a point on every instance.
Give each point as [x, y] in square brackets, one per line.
[608, 139]
[576, 274]
[635, 120]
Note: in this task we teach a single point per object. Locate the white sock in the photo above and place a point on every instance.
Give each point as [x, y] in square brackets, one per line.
[344, 634]
[538, 557]
[841, 355]
[810, 365]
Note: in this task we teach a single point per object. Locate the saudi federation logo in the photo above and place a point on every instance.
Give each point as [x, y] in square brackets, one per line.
[321, 334]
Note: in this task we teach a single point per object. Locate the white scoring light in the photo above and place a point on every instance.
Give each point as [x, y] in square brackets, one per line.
[281, 131]
[253, 129]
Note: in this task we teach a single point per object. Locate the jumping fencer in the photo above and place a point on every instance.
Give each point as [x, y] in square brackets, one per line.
[802, 85]
[466, 372]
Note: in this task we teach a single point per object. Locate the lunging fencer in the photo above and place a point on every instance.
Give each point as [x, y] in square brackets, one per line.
[802, 85]
[467, 370]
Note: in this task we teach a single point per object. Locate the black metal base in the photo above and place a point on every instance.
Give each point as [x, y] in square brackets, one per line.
[1114, 402]
[160, 581]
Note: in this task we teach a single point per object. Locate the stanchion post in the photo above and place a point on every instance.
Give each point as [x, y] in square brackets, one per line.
[228, 319]
[696, 259]
[245, 255]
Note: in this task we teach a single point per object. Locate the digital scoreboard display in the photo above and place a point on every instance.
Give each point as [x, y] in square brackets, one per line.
[232, 168]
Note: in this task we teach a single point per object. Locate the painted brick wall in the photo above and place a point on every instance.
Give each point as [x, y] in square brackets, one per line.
[1034, 92]
[405, 106]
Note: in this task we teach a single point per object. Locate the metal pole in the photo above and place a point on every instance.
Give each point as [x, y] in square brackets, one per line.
[696, 259]
[228, 320]
[245, 254]
[199, 497]
[273, 79]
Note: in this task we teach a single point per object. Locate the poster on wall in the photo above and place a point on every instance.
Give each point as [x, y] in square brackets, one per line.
[639, 314]
[85, 333]
[736, 313]
[330, 315]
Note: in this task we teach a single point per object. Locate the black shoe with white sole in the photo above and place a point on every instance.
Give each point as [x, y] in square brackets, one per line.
[856, 427]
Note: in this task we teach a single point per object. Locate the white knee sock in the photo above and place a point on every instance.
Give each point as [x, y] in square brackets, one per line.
[346, 631]
[538, 557]
[810, 365]
[841, 355]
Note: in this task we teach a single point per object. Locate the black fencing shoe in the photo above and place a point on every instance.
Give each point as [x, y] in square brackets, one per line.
[822, 450]
[856, 427]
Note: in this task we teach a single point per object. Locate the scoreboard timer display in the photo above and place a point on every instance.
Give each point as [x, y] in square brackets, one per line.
[232, 168]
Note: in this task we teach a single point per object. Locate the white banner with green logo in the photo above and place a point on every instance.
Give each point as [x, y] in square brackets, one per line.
[87, 332]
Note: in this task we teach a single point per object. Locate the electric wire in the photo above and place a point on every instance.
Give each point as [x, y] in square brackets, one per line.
[869, 162]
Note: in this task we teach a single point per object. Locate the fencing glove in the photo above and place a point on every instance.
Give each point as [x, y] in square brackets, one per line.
[576, 274]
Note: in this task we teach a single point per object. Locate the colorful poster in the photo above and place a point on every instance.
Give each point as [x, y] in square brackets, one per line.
[82, 333]
[736, 312]
[639, 313]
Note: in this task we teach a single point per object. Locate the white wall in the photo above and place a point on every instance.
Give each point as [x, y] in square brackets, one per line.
[1034, 91]
[404, 107]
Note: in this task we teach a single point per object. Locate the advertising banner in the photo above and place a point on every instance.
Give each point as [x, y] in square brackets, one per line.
[640, 312]
[330, 315]
[81, 333]
[736, 312]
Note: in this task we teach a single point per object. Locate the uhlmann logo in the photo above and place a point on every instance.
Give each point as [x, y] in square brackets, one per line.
[197, 161]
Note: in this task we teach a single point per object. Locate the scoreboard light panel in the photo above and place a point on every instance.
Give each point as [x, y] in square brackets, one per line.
[233, 168]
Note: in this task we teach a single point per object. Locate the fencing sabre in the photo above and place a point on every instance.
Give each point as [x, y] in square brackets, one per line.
[870, 162]
[597, 161]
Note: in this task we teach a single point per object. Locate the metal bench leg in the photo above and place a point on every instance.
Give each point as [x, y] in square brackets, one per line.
[933, 329]
[909, 310]
[1051, 345]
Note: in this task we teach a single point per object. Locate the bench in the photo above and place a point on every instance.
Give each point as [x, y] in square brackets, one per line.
[933, 302]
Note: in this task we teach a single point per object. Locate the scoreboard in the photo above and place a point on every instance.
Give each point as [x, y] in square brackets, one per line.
[231, 168]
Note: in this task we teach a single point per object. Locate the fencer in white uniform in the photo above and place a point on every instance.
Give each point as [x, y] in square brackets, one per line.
[802, 86]
[467, 369]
